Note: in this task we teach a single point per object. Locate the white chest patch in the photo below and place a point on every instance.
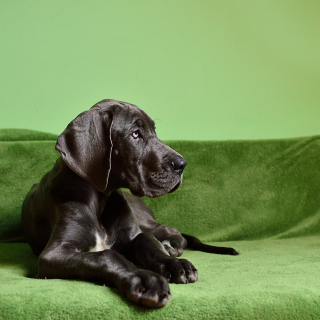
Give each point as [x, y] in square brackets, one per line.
[100, 243]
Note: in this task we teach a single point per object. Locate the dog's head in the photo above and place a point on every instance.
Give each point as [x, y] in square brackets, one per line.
[114, 145]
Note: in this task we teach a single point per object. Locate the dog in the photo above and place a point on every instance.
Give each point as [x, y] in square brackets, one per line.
[80, 222]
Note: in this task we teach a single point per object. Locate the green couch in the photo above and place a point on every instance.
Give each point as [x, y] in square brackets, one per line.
[260, 197]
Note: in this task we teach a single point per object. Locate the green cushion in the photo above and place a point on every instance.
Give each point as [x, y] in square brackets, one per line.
[260, 197]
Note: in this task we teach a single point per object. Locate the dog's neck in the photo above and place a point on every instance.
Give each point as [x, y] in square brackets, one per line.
[63, 174]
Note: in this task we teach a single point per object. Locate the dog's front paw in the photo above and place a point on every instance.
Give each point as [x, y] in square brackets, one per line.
[177, 270]
[146, 288]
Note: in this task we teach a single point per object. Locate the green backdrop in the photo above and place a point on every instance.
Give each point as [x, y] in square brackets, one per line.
[203, 69]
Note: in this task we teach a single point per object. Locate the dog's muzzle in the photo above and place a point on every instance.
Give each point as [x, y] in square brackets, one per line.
[178, 164]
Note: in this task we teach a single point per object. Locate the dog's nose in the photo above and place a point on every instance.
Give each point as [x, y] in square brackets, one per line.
[178, 164]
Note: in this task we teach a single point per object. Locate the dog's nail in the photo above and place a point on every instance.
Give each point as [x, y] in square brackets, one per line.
[163, 299]
[141, 290]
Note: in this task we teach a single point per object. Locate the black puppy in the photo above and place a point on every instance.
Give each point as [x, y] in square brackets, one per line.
[83, 226]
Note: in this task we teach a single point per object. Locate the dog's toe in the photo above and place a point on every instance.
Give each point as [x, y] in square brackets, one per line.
[148, 289]
[181, 271]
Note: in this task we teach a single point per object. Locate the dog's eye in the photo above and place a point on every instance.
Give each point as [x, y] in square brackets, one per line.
[136, 134]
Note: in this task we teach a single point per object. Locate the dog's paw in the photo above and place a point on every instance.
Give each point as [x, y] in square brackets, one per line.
[174, 245]
[177, 270]
[146, 288]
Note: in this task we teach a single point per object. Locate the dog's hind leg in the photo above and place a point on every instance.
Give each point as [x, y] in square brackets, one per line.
[171, 238]
[150, 252]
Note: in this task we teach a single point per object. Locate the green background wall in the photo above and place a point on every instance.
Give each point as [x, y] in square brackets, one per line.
[203, 69]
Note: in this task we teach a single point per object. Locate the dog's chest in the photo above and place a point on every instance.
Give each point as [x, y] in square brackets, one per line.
[100, 243]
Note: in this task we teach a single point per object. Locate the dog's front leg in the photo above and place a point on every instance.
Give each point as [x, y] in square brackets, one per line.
[109, 267]
[151, 254]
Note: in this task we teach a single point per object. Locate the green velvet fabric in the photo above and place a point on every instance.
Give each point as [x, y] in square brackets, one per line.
[260, 197]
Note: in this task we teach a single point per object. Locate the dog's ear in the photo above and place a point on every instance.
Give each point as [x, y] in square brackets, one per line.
[86, 146]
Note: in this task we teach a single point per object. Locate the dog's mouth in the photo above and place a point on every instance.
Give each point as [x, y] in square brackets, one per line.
[137, 194]
[176, 186]
[155, 193]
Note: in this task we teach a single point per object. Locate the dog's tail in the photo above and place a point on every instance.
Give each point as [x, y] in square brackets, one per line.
[195, 244]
